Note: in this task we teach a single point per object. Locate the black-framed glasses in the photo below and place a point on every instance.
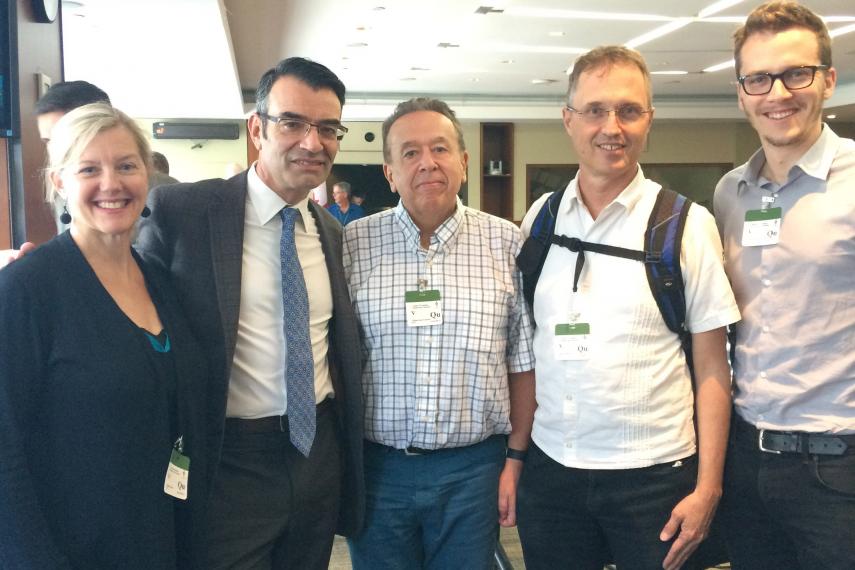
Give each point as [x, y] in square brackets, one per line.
[793, 79]
[294, 127]
[625, 114]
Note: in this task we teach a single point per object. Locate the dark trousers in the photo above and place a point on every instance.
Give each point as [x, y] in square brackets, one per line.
[788, 510]
[271, 507]
[586, 518]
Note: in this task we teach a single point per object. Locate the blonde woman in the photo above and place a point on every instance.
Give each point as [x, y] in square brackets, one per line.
[103, 459]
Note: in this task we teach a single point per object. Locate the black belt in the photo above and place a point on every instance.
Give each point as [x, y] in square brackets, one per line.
[771, 441]
[268, 424]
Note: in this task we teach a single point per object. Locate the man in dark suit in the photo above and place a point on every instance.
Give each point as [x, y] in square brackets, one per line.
[282, 489]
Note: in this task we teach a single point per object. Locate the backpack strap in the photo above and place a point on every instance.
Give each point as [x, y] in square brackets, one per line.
[662, 244]
[534, 250]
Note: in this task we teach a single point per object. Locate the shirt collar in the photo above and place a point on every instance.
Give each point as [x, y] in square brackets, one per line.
[816, 162]
[265, 203]
[445, 234]
[628, 197]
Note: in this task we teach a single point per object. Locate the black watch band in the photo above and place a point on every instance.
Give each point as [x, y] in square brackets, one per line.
[517, 454]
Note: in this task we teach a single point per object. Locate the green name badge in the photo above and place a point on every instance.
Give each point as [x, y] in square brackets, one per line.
[761, 227]
[424, 308]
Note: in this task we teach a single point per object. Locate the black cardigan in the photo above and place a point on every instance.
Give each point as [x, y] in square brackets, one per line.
[85, 433]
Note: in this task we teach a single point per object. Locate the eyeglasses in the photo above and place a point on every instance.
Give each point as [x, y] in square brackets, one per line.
[293, 127]
[793, 78]
[625, 114]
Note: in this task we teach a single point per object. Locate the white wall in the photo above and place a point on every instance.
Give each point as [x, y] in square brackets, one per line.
[189, 164]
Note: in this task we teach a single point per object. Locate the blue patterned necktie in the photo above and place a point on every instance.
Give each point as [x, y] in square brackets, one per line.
[300, 368]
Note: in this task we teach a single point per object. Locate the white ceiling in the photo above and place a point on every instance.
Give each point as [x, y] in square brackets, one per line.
[194, 58]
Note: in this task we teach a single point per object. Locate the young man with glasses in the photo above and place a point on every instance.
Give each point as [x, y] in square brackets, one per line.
[615, 470]
[787, 220]
[258, 269]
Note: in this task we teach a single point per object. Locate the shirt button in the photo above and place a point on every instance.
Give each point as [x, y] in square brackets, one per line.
[767, 282]
[766, 328]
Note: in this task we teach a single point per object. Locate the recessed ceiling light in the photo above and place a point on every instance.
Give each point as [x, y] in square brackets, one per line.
[670, 72]
[447, 45]
[379, 8]
[556, 34]
[358, 45]
[475, 80]
[419, 68]
[720, 66]
[507, 61]
[543, 81]
[831, 116]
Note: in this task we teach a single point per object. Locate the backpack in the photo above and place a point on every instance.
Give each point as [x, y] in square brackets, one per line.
[661, 257]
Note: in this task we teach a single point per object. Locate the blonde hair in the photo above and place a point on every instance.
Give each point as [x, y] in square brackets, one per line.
[76, 130]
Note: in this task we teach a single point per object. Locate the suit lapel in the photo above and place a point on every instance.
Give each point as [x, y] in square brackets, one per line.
[226, 223]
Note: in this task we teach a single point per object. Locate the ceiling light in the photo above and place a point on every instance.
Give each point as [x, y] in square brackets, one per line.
[831, 116]
[841, 31]
[357, 45]
[720, 66]
[419, 68]
[659, 32]
[543, 81]
[716, 7]
[673, 72]
[447, 45]
[507, 61]
[379, 8]
[556, 34]
[584, 15]
[407, 79]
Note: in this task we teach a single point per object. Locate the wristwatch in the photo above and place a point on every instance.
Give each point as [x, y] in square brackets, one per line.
[517, 454]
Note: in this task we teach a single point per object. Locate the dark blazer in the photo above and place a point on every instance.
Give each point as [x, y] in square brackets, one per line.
[87, 424]
[196, 232]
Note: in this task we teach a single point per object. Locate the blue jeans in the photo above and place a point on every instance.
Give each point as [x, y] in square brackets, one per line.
[586, 518]
[787, 510]
[434, 511]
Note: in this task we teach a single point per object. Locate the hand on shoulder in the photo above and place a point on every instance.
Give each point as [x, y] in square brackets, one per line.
[7, 256]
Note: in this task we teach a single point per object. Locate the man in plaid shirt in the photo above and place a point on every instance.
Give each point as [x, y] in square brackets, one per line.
[447, 345]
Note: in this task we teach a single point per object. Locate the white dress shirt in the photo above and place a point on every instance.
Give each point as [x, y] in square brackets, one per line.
[631, 404]
[257, 383]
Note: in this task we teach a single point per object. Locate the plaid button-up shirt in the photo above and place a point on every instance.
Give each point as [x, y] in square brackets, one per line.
[444, 385]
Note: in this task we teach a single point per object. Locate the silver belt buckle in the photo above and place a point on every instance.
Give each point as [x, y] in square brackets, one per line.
[760, 444]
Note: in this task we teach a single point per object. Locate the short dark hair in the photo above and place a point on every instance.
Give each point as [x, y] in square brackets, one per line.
[345, 186]
[607, 56]
[420, 104]
[779, 16]
[67, 95]
[315, 75]
[158, 160]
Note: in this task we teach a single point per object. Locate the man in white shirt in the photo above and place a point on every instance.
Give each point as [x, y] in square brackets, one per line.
[257, 266]
[615, 467]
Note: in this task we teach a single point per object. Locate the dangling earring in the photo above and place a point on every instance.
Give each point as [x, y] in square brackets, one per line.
[146, 212]
[65, 217]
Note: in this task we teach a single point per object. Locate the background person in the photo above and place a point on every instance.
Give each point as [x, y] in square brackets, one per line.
[101, 382]
[160, 171]
[343, 209]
